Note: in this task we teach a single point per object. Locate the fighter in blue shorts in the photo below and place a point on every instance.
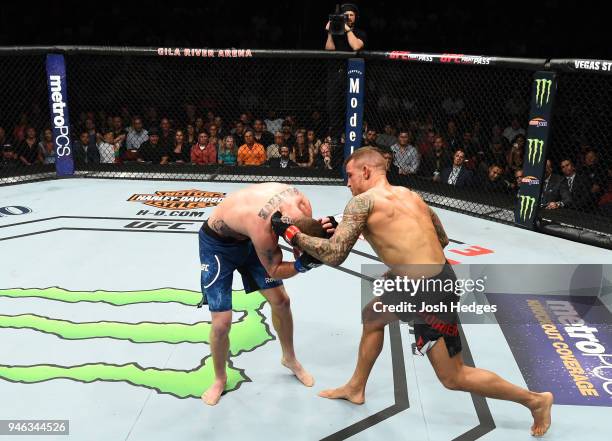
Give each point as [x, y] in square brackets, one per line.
[238, 236]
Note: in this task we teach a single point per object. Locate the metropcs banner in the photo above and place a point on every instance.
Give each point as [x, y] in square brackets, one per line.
[60, 121]
[562, 344]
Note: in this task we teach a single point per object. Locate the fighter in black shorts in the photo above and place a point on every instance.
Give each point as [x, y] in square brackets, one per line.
[405, 232]
[429, 325]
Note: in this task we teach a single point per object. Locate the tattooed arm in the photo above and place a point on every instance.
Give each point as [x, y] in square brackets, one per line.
[442, 237]
[271, 256]
[335, 250]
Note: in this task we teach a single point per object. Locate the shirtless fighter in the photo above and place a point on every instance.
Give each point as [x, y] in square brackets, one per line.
[238, 236]
[405, 233]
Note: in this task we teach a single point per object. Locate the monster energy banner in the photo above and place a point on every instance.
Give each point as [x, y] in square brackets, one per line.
[534, 161]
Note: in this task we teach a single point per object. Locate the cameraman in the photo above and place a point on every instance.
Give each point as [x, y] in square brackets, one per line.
[353, 39]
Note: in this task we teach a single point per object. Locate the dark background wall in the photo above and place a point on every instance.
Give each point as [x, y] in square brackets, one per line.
[545, 28]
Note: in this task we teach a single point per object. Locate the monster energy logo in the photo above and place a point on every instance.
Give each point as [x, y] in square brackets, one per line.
[542, 89]
[527, 203]
[535, 150]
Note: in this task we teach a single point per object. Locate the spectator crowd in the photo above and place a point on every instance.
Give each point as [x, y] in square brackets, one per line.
[455, 150]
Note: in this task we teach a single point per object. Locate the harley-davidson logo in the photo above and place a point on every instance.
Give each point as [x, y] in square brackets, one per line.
[180, 200]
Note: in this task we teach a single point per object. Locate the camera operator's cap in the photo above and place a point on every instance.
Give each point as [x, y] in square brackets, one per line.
[349, 7]
[154, 132]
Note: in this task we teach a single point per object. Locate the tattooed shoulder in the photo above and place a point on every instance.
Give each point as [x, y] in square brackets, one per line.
[360, 205]
[275, 201]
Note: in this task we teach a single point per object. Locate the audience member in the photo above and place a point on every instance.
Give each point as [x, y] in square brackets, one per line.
[457, 174]
[388, 137]
[436, 160]
[8, 160]
[152, 151]
[578, 185]
[227, 151]
[203, 152]
[555, 193]
[302, 155]
[405, 155]
[180, 153]
[262, 136]
[251, 153]
[28, 147]
[513, 130]
[136, 135]
[284, 161]
[107, 149]
[46, 148]
[85, 152]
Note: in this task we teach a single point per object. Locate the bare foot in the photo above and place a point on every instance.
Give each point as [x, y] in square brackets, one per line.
[212, 395]
[345, 393]
[299, 372]
[541, 413]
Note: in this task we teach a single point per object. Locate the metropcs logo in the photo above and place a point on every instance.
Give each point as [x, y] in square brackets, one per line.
[62, 140]
[542, 91]
[180, 200]
[535, 148]
[527, 203]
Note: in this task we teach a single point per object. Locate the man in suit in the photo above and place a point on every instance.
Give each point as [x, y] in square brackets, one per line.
[283, 162]
[578, 186]
[555, 193]
[457, 175]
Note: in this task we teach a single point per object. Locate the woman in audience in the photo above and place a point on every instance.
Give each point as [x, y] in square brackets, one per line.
[180, 153]
[190, 137]
[227, 151]
[46, 148]
[313, 142]
[303, 155]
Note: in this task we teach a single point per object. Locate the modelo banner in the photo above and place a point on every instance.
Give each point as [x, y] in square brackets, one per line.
[534, 160]
[354, 105]
[563, 344]
[60, 121]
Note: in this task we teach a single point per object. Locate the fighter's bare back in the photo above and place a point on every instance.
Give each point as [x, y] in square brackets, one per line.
[246, 214]
[247, 211]
[400, 229]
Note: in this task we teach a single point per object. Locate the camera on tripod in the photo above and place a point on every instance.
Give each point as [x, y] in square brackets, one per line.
[337, 21]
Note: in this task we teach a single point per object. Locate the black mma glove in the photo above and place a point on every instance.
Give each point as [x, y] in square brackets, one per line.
[282, 228]
[334, 223]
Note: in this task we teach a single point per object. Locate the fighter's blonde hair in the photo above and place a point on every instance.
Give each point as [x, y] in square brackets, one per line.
[372, 156]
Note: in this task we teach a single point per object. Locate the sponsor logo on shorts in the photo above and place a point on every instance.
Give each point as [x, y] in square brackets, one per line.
[538, 122]
[270, 280]
[180, 199]
[204, 266]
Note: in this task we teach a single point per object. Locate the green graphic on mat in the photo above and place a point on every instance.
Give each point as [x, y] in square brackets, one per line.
[248, 333]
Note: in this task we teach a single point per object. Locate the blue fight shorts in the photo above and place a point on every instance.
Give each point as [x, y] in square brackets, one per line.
[219, 257]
